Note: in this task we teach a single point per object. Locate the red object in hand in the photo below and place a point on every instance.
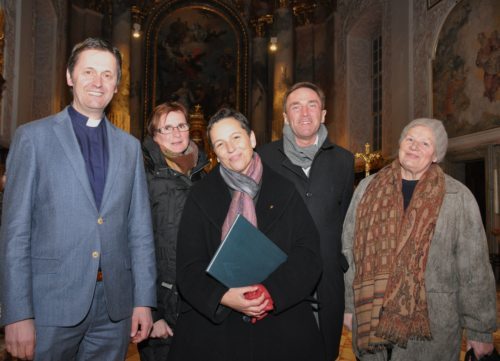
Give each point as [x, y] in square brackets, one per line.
[256, 294]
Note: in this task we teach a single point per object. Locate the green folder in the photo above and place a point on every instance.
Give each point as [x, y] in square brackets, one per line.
[245, 257]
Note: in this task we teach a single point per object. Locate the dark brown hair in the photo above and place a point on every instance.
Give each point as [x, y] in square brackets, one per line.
[305, 84]
[95, 44]
[224, 113]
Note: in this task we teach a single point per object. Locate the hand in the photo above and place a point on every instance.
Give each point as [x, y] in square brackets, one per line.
[348, 321]
[142, 322]
[161, 329]
[480, 348]
[20, 339]
[235, 298]
[261, 290]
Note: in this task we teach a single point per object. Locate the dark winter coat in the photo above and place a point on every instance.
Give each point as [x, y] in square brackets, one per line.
[209, 331]
[327, 193]
[168, 190]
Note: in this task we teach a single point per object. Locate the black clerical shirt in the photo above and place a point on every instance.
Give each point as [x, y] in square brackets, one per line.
[94, 146]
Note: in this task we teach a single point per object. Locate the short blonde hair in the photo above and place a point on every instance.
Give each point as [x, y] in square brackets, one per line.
[437, 129]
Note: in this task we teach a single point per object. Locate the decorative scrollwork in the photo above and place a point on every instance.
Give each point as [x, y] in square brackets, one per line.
[260, 23]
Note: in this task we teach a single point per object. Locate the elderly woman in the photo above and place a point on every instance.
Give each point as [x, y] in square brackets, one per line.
[173, 163]
[217, 323]
[419, 269]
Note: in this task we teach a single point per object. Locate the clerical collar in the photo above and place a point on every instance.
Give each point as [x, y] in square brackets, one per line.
[83, 119]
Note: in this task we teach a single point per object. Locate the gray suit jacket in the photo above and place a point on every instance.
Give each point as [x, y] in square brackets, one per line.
[53, 237]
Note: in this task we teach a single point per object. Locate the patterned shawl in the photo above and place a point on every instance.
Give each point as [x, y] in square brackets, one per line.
[391, 246]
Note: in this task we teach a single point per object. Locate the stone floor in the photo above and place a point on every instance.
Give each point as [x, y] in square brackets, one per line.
[346, 353]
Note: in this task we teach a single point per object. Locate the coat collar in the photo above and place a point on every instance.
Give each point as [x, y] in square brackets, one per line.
[115, 158]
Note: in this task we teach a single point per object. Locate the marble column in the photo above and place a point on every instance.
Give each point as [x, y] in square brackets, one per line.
[137, 126]
[304, 70]
[120, 106]
[322, 72]
[283, 64]
[259, 88]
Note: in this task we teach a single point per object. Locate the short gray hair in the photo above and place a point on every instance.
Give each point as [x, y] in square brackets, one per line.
[437, 128]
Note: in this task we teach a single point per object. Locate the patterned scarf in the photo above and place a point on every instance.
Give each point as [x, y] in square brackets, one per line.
[301, 156]
[391, 246]
[245, 187]
[183, 162]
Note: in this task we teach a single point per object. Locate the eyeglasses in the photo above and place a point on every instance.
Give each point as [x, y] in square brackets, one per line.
[168, 129]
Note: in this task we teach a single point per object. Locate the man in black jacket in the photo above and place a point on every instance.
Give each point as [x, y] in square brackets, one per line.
[323, 173]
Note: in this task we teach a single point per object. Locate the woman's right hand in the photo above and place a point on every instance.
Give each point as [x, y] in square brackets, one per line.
[161, 329]
[235, 298]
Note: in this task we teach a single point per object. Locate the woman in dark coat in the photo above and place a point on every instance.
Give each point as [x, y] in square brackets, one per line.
[221, 324]
[173, 162]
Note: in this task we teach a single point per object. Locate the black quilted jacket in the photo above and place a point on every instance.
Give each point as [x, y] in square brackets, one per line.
[168, 191]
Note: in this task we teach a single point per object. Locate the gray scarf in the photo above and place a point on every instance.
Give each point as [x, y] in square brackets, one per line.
[245, 190]
[239, 182]
[302, 157]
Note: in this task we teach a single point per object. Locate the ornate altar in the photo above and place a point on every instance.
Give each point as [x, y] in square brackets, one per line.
[198, 133]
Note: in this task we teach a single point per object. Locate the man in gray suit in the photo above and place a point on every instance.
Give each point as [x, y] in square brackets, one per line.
[77, 254]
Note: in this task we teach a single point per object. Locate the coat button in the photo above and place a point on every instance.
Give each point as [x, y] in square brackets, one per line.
[309, 194]
[100, 220]
[95, 254]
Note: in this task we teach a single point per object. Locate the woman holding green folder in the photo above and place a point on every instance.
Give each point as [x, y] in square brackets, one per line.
[272, 320]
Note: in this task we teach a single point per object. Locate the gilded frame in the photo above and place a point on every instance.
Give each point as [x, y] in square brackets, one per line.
[154, 71]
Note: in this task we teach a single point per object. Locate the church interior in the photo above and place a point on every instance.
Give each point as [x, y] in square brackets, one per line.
[381, 64]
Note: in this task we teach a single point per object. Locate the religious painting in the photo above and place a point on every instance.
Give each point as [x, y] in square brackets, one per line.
[196, 60]
[466, 68]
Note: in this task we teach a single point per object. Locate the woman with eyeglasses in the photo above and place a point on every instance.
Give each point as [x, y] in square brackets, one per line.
[173, 162]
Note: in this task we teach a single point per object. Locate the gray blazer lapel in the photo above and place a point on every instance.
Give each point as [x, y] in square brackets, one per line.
[66, 136]
[115, 157]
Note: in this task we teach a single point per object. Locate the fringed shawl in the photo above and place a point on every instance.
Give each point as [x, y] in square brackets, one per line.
[391, 246]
